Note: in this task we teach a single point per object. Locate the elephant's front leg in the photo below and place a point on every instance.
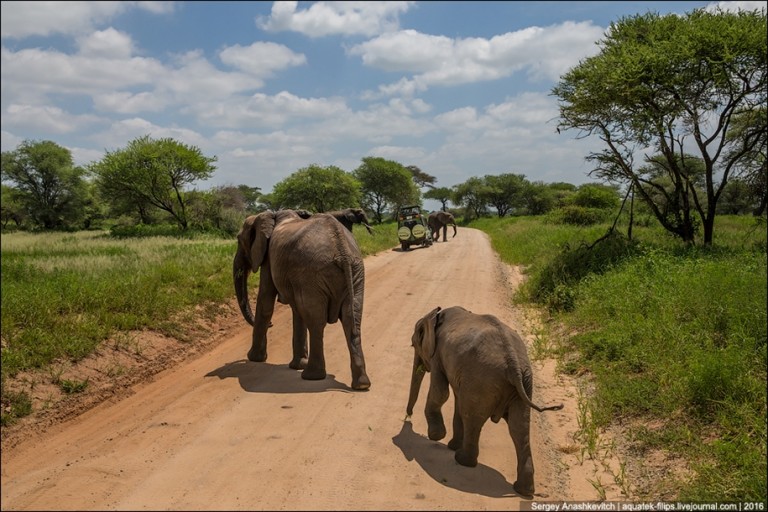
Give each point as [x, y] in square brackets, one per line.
[299, 361]
[315, 369]
[437, 396]
[519, 422]
[265, 307]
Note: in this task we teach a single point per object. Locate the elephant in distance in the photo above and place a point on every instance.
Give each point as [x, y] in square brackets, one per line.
[312, 264]
[486, 365]
[350, 216]
[441, 220]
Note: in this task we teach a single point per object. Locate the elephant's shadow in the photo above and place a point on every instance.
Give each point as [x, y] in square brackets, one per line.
[438, 462]
[274, 378]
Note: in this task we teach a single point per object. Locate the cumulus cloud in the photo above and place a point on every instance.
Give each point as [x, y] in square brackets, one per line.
[24, 19]
[46, 119]
[735, 6]
[261, 58]
[543, 52]
[331, 18]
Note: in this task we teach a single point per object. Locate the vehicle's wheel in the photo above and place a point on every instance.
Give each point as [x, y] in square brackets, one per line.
[405, 246]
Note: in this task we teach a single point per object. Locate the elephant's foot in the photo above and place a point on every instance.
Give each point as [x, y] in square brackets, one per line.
[523, 489]
[465, 459]
[258, 356]
[436, 433]
[298, 364]
[361, 383]
[454, 444]
[311, 373]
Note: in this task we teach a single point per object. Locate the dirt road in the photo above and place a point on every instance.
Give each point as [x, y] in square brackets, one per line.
[219, 433]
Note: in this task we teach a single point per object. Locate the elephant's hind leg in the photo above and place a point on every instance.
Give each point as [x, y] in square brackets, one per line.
[519, 421]
[315, 369]
[360, 379]
[299, 361]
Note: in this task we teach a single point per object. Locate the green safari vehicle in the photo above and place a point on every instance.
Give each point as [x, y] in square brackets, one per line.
[412, 228]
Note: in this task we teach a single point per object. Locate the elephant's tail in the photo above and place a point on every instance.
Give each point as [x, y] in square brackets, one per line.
[515, 375]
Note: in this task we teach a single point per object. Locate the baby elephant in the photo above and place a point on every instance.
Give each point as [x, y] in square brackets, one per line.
[486, 364]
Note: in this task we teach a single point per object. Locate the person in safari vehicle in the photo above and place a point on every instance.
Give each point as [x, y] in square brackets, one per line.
[412, 227]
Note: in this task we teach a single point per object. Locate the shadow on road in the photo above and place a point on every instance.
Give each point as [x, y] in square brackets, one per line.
[274, 378]
[437, 460]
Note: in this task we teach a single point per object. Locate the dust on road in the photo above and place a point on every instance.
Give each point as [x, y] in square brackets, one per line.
[219, 433]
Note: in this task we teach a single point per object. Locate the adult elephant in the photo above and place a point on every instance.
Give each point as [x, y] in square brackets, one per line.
[312, 264]
[486, 365]
[350, 216]
[441, 220]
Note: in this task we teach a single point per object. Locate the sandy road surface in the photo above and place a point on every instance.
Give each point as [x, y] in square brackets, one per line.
[217, 432]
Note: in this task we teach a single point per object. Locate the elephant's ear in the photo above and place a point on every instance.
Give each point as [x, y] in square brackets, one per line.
[427, 332]
[254, 237]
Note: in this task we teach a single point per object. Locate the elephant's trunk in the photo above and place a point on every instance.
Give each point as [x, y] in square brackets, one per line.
[416, 377]
[240, 271]
[454, 230]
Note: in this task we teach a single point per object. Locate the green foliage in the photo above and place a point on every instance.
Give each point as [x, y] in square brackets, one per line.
[14, 405]
[578, 215]
[73, 386]
[317, 189]
[151, 173]
[651, 73]
[386, 185]
[671, 336]
[49, 189]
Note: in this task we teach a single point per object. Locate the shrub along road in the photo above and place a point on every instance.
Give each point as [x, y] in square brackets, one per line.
[217, 432]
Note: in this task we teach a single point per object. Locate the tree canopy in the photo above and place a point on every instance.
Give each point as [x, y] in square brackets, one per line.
[49, 188]
[668, 86]
[315, 188]
[152, 172]
[386, 185]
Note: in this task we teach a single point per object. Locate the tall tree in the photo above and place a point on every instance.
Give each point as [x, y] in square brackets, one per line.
[386, 184]
[421, 178]
[473, 196]
[48, 185]
[505, 192]
[442, 194]
[318, 189]
[153, 171]
[672, 85]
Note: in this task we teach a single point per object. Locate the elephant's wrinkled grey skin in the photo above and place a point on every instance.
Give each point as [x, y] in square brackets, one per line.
[486, 365]
[441, 220]
[350, 216]
[312, 264]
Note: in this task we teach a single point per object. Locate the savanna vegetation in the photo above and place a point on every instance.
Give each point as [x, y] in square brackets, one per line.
[654, 277]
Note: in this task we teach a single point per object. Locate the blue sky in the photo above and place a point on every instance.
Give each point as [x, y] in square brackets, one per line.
[459, 89]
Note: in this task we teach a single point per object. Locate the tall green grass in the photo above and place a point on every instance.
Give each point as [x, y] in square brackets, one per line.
[62, 294]
[673, 337]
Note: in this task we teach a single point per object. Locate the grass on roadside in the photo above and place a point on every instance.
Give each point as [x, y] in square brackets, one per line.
[673, 339]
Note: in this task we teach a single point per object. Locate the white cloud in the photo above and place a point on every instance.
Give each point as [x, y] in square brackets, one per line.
[23, 19]
[265, 111]
[261, 59]
[108, 44]
[734, 6]
[329, 18]
[46, 119]
[545, 53]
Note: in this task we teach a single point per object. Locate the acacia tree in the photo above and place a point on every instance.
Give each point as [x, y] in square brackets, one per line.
[152, 171]
[315, 188]
[442, 194]
[385, 184]
[49, 188]
[671, 86]
[505, 192]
